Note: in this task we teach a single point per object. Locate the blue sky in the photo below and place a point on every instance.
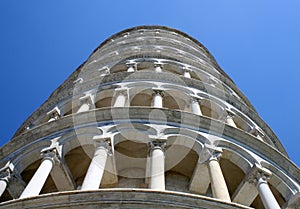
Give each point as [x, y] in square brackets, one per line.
[257, 43]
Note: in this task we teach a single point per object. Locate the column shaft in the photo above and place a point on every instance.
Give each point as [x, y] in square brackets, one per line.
[84, 107]
[218, 184]
[157, 101]
[38, 180]
[266, 194]
[230, 121]
[95, 171]
[157, 169]
[158, 68]
[120, 100]
[196, 107]
[187, 74]
[130, 69]
[3, 185]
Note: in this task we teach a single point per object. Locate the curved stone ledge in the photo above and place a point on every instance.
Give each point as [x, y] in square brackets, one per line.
[120, 198]
[141, 115]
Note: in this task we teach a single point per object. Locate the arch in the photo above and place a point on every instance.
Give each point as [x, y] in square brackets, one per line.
[192, 135]
[237, 155]
[104, 98]
[183, 89]
[78, 160]
[139, 127]
[241, 123]
[130, 134]
[281, 183]
[29, 154]
[119, 67]
[141, 97]
[211, 109]
[131, 162]
[176, 100]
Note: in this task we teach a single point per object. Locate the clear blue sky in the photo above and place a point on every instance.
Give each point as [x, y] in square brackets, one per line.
[256, 42]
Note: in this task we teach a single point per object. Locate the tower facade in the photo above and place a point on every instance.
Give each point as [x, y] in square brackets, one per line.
[148, 121]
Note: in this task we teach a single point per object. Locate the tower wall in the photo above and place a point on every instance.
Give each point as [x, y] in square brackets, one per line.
[149, 116]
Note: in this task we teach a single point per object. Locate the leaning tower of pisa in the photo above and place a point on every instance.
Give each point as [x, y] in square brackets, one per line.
[149, 120]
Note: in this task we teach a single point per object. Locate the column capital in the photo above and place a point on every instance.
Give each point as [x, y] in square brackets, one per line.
[195, 99]
[226, 115]
[158, 92]
[212, 153]
[131, 64]
[158, 144]
[54, 113]
[215, 156]
[121, 91]
[158, 64]
[104, 70]
[230, 114]
[158, 67]
[101, 142]
[6, 172]
[258, 173]
[87, 99]
[51, 153]
[186, 69]
[78, 80]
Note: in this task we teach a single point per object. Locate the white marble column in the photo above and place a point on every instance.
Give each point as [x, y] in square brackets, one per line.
[131, 66]
[229, 119]
[10, 181]
[96, 169]
[5, 176]
[39, 178]
[186, 72]
[158, 67]
[158, 98]
[86, 103]
[195, 106]
[3, 185]
[121, 96]
[264, 190]
[157, 165]
[218, 184]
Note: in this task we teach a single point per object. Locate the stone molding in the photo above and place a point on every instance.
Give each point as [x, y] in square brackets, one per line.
[181, 118]
[132, 198]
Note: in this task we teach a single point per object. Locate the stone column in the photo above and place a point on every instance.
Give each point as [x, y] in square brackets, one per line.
[158, 98]
[131, 66]
[265, 193]
[186, 72]
[229, 119]
[5, 173]
[158, 67]
[157, 165]
[195, 106]
[96, 169]
[121, 95]
[38, 180]
[3, 184]
[86, 103]
[218, 184]
[54, 114]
